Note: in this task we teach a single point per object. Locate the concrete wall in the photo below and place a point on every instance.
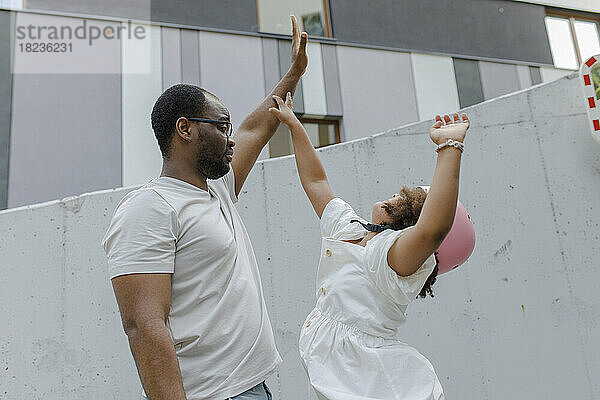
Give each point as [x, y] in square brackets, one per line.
[519, 320]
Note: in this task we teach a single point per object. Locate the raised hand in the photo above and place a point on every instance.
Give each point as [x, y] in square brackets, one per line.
[453, 128]
[299, 56]
[285, 111]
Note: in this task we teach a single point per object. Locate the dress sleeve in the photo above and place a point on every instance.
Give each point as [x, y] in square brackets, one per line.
[402, 289]
[141, 236]
[335, 221]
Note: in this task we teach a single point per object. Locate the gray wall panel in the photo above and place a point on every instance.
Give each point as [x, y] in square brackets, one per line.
[135, 9]
[378, 90]
[332, 80]
[498, 79]
[171, 57]
[190, 57]
[5, 103]
[238, 15]
[468, 82]
[536, 76]
[66, 136]
[285, 54]
[270, 63]
[490, 28]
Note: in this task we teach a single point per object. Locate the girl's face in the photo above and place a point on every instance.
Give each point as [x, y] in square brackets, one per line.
[379, 215]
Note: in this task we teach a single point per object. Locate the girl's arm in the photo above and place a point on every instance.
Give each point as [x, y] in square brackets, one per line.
[411, 249]
[311, 171]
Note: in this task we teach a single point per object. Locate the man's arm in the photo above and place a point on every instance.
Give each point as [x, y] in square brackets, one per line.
[144, 301]
[258, 127]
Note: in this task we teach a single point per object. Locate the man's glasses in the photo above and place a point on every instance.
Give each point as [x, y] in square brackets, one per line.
[224, 126]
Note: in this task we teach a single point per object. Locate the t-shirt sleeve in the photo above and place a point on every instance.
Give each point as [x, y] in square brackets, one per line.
[335, 221]
[141, 236]
[229, 181]
[402, 289]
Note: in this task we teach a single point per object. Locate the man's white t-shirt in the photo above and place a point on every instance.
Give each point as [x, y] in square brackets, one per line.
[218, 319]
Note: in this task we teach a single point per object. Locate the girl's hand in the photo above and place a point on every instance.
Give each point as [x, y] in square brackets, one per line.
[448, 128]
[285, 111]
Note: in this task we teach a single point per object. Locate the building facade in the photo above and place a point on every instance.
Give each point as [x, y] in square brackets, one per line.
[78, 78]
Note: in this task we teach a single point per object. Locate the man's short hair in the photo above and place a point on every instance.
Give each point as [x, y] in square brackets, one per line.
[181, 100]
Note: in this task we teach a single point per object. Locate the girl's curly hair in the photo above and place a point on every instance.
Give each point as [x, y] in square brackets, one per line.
[405, 213]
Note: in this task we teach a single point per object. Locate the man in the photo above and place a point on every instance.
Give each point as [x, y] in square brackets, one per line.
[180, 260]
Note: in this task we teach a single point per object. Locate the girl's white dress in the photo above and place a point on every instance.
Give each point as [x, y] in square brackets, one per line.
[348, 343]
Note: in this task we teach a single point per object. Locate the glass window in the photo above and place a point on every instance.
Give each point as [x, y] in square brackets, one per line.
[274, 16]
[561, 43]
[572, 39]
[11, 4]
[321, 133]
[587, 38]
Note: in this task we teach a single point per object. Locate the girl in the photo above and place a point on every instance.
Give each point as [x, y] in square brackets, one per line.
[369, 273]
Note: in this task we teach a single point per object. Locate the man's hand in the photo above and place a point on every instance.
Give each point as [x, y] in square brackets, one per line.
[299, 56]
[447, 128]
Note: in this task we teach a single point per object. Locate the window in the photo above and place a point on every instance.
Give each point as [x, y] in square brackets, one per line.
[321, 132]
[572, 39]
[313, 16]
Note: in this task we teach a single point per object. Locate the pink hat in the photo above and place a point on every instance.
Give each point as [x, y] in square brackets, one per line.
[458, 245]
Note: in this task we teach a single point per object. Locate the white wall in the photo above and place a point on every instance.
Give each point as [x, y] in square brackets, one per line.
[519, 320]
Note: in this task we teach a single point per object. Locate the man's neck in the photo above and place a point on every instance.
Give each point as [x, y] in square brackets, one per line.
[184, 174]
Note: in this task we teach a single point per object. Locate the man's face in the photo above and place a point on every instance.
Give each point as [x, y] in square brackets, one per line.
[214, 151]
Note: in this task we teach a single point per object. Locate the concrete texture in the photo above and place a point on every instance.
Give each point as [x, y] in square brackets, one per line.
[518, 320]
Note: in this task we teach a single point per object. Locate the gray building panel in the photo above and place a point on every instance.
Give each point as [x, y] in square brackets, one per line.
[331, 74]
[239, 15]
[498, 79]
[74, 144]
[285, 53]
[190, 57]
[497, 29]
[5, 103]
[536, 75]
[270, 56]
[171, 57]
[134, 9]
[468, 82]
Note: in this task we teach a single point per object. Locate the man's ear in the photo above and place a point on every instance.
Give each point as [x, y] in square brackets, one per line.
[183, 129]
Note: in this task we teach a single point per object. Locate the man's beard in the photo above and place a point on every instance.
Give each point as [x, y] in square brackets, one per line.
[211, 165]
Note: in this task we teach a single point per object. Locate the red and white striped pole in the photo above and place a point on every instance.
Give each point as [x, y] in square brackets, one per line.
[590, 80]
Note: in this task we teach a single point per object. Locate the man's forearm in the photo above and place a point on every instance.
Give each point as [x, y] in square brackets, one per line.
[156, 361]
[260, 121]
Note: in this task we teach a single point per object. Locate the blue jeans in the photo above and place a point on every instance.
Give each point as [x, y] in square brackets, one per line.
[258, 392]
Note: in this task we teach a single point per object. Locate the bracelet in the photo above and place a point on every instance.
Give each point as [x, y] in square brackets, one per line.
[452, 143]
